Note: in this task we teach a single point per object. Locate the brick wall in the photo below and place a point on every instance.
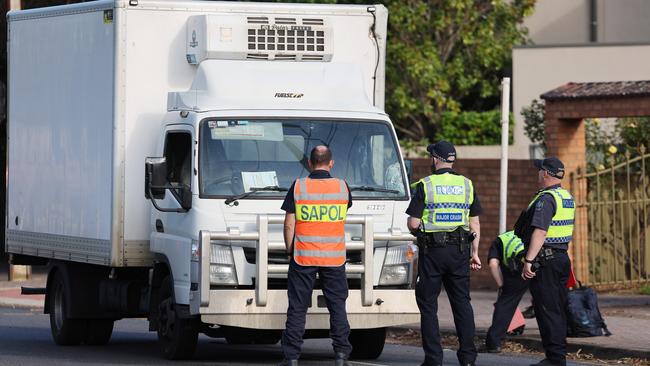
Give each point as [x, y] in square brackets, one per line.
[485, 174]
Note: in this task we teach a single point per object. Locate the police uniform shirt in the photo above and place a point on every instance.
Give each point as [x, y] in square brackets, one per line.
[496, 251]
[289, 204]
[543, 212]
[416, 207]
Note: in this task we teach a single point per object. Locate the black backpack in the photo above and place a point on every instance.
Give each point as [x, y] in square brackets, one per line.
[583, 315]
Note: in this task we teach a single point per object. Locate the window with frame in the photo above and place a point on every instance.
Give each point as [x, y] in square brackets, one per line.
[178, 154]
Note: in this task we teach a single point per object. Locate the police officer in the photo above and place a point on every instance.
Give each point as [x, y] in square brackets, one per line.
[443, 212]
[546, 228]
[505, 259]
[314, 232]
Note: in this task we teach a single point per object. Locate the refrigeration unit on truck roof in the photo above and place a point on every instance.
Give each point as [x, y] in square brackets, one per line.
[246, 37]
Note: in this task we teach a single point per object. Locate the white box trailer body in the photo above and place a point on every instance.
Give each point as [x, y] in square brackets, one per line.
[87, 100]
[244, 90]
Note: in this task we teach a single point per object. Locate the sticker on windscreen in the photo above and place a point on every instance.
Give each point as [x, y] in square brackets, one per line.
[243, 130]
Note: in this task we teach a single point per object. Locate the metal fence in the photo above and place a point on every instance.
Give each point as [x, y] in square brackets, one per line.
[614, 203]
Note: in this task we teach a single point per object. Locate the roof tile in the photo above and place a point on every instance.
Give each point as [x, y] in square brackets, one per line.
[614, 89]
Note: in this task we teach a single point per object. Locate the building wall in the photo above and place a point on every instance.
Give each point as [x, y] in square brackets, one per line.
[485, 174]
[558, 22]
[623, 21]
[556, 27]
[539, 69]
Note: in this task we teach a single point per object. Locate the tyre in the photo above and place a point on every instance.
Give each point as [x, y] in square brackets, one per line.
[367, 343]
[98, 331]
[177, 336]
[65, 331]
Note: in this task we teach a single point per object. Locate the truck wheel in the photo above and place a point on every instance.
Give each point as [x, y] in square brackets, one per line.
[98, 331]
[177, 336]
[367, 343]
[65, 331]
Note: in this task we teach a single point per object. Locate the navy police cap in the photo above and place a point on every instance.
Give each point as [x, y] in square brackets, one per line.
[443, 150]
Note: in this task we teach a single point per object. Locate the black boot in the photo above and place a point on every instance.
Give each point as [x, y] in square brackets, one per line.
[341, 359]
[529, 312]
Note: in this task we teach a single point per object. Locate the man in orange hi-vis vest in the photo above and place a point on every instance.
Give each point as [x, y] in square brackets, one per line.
[314, 233]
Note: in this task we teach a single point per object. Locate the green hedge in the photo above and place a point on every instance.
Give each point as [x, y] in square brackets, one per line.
[472, 128]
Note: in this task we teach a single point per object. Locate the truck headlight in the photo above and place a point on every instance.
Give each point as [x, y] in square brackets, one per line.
[397, 265]
[222, 265]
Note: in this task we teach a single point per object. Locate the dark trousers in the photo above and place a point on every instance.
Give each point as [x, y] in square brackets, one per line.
[513, 289]
[301, 281]
[550, 300]
[449, 267]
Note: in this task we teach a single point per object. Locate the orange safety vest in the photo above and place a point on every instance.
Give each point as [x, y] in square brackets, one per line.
[321, 208]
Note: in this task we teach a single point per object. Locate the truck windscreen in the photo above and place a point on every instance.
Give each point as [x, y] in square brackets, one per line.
[239, 155]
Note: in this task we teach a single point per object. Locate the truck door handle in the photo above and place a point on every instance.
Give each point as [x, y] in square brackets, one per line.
[159, 226]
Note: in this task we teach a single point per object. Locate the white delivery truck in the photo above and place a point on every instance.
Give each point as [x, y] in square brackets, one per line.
[151, 144]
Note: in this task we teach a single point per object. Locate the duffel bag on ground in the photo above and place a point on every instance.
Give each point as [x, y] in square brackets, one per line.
[583, 315]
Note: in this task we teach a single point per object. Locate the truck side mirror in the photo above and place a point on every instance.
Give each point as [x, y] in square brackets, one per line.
[155, 177]
[408, 164]
[155, 184]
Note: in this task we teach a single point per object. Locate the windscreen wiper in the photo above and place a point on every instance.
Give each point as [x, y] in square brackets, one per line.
[254, 190]
[373, 189]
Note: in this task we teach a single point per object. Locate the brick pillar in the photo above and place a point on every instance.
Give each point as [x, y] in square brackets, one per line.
[565, 138]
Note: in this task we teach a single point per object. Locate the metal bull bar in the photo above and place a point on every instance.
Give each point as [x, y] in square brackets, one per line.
[366, 245]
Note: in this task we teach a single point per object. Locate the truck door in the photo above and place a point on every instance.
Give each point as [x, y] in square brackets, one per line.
[172, 232]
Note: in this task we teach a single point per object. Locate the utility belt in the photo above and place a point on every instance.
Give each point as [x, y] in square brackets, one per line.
[459, 237]
[547, 254]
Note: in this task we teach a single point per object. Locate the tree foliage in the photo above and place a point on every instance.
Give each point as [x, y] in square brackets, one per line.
[534, 121]
[634, 131]
[472, 128]
[442, 51]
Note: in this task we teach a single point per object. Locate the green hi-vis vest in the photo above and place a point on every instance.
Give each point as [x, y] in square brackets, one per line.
[513, 247]
[561, 229]
[447, 198]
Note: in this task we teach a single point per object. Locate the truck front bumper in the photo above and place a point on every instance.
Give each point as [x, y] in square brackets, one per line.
[237, 308]
[264, 308]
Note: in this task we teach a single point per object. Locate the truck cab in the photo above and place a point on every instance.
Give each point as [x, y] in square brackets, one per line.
[237, 166]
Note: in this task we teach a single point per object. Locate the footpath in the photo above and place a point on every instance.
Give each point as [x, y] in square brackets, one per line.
[10, 291]
[627, 317]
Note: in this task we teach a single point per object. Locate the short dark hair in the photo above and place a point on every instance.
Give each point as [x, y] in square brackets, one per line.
[320, 155]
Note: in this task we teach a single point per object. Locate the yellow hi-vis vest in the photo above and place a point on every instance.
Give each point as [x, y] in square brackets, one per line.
[447, 198]
[561, 229]
[513, 247]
